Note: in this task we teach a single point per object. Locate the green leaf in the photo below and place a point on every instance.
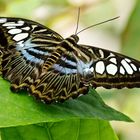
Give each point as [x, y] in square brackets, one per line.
[20, 109]
[67, 130]
[131, 34]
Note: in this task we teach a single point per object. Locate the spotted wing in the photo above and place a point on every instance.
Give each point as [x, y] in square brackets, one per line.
[24, 46]
[110, 69]
[17, 31]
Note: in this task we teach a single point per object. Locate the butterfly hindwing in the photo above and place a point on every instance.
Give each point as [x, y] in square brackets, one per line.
[60, 82]
[55, 87]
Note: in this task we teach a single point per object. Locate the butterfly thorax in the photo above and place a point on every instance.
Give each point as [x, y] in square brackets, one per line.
[70, 43]
[84, 60]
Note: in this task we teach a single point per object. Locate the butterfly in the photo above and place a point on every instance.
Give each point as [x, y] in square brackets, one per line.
[53, 69]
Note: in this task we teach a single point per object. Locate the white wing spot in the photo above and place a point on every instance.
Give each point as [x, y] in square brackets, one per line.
[113, 60]
[127, 60]
[101, 53]
[3, 20]
[122, 71]
[13, 24]
[26, 28]
[10, 27]
[100, 67]
[15, 31]
[111, 69]
[20, 36]
[21, 22]
[111, 54]
[127, 67]
[134, 67]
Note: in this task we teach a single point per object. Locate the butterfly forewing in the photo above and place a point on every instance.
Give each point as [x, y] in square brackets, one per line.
[112, 70]
[25, 45]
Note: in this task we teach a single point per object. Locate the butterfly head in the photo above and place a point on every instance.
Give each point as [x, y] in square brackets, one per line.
[74, 37]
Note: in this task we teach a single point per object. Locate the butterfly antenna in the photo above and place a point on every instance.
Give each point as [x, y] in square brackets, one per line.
[78, 16]
[97, 24]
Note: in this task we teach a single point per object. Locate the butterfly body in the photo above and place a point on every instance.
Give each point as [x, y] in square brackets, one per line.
[35, 58]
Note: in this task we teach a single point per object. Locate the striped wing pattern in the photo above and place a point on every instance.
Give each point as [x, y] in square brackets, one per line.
[25, 45]
[35, 58]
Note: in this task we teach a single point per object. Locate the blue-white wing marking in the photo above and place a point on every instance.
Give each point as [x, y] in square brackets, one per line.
[67, 64]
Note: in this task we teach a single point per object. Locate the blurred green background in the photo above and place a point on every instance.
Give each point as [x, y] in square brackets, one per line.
[121, 35]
